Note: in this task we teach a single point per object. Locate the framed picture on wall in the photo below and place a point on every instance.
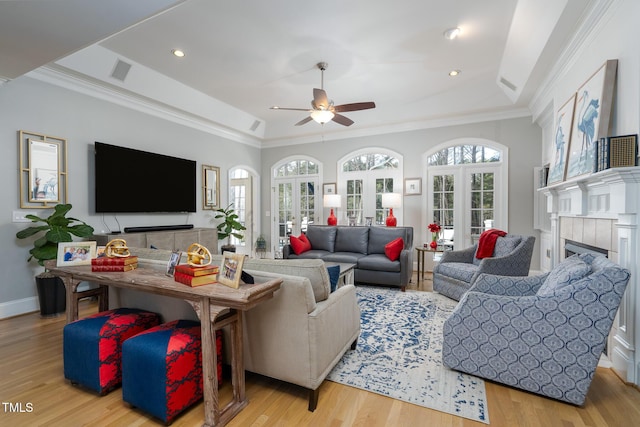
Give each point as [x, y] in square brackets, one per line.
[412, 186]
[329, 188]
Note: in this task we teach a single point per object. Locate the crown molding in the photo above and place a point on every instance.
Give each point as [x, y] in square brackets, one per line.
[594, 19]
[513, 113]
[63, 77]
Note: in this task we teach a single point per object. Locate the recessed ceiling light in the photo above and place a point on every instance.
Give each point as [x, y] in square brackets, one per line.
[454, 73]
[452, 33]
[178, 53]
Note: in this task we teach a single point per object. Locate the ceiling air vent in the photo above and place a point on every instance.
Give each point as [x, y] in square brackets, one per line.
[255, 125]
[508, 84]
[121, 70]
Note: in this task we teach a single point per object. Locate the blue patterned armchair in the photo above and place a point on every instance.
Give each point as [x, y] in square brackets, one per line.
[543, 334]
[458, 270]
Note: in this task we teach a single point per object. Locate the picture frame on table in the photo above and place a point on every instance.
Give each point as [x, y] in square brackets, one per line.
[591, 119]
[562, 136]
[174, 259]
[75, 253]
[231, 269]
[329, 188]
[412, 186]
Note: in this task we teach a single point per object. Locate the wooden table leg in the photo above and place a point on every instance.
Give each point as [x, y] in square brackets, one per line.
[209, 322]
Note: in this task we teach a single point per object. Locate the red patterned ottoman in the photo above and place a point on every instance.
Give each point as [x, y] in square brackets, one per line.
[162, 368]
[92, 346]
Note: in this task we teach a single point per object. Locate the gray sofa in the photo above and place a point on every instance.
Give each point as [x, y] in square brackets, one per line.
[363, 246]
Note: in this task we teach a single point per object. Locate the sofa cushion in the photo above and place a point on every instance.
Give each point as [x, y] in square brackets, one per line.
[350, 257]
[380, 236]
[393, 248]
[564, 274]
[334, 275]
[458, 270]
[378, 262]
[322, 237]
[352, 239]
[299, 244]
[311, 254]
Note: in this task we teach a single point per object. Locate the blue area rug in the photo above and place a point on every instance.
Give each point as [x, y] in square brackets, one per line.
[399, 354]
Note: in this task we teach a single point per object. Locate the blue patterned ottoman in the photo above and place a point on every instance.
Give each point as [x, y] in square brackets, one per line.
[162, 368]
[92, 346]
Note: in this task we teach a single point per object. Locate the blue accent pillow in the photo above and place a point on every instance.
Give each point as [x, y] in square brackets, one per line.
[334, 274]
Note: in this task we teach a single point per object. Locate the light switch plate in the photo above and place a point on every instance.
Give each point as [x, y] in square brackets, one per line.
[19, 216]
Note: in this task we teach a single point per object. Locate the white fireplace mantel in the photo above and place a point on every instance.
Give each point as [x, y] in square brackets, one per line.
[610, 194]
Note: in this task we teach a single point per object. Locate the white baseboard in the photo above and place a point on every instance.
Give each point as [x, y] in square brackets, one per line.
[17, 307]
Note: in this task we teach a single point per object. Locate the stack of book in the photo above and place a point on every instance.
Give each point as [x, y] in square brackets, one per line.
[114, 264]
[195, 276]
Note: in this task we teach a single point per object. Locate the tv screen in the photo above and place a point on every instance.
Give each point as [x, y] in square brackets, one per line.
[129, 180]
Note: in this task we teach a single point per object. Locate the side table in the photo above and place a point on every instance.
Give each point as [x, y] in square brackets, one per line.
[420, 251]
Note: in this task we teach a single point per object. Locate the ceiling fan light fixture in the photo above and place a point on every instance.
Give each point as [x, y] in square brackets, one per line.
[452, 33]
[322, 116]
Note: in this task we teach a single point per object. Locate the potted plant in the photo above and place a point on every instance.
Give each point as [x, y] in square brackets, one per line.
[52, 230]
[229, 226]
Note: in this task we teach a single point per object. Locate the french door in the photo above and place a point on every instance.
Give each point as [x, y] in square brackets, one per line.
[466, 200]
[297, 205]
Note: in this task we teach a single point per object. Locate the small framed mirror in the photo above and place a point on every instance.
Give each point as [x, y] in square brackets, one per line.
[43, 170]
[211, 187]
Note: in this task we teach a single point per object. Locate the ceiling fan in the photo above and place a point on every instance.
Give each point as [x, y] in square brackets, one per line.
[322, 110]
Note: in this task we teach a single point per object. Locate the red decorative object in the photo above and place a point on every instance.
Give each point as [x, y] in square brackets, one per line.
[391, 220]
[299, 244]
[332, 220]
[433, 245]
[393, 249]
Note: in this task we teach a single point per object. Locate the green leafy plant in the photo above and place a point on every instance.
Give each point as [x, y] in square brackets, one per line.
[56, 228]
[229, 225]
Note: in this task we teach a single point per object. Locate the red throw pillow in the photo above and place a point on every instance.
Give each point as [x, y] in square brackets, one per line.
[299, 244]
[393, 248]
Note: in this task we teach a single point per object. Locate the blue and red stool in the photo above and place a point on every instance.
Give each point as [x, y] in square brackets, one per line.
[162, 368]
[92, 346]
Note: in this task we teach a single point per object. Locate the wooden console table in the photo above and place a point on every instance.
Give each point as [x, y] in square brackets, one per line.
[216, 305]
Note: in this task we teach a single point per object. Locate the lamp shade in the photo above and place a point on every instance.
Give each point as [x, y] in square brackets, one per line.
[391, 200]
[332, 201]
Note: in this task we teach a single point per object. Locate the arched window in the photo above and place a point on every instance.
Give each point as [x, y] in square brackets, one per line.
[363, 176]
[467, 189]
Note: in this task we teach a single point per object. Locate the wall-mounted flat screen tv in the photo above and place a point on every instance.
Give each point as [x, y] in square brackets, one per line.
[129, 180]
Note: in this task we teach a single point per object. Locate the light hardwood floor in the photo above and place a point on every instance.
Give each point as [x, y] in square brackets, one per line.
[33, 392]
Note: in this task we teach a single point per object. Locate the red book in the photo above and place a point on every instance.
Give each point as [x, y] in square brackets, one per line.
[133, 259]
[193, 280]
[196, 271]
[127, 267]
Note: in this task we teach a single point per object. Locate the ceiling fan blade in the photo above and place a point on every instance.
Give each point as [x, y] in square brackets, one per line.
[320, 100]
[344, 121]
[356, 106]
[303, 121]
[275, 107]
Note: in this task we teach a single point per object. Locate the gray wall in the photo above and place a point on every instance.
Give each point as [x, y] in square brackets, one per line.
[519, 135]
[28, 104]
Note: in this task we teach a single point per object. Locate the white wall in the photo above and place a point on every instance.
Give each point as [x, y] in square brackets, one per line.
[520, 135]
[28, 104]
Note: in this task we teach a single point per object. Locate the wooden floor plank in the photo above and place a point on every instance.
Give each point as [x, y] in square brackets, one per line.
[31, 374]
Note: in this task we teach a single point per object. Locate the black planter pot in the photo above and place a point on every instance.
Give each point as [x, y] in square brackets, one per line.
[228, 248]
[51, 295]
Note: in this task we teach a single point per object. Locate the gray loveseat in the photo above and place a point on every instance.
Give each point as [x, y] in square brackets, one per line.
[363, 246]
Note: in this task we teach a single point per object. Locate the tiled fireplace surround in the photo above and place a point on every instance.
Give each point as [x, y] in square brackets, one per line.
[602, 210]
